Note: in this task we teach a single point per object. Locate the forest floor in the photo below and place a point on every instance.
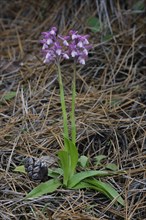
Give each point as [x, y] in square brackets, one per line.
[110, 105]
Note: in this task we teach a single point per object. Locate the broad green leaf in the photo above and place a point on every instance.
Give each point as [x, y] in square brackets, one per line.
[94, 24]
[73, 153]
[20, 169]
[107, 189]
[98, 159]
[44, 188]
[83, 161]
[78, 177]
[9, 95]
[86, 185]
[111, 166]
[54, 173]
[65, 165]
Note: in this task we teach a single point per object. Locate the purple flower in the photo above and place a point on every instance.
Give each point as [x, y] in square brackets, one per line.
[56, 47]
[53, 46]
[73, 34]
[53, 31]
[79, 47]
[64, 39]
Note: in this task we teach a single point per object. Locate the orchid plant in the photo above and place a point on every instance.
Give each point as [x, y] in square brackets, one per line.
[55, 49]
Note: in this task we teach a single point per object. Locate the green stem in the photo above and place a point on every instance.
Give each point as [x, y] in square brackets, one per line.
[63, 106]
[73, 124]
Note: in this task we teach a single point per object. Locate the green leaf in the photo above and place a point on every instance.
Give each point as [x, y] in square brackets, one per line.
[73, 153]
[107, 37]
[139, 5]
[115, 102]
[111, 166]
[78, 177]
[9, 95]
[98, 159]
[65, 165]
[44, 188]
[86, 185]
[94, 24]
[83, 161]
[54, 173]
[20, 169]
[102, 187]
[106, 189]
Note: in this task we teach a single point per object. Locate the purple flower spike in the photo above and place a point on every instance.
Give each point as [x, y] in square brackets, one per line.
[56, 47]
[79, 47]
[53, 31]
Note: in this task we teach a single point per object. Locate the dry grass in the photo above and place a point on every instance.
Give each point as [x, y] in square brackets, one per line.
[110, 106]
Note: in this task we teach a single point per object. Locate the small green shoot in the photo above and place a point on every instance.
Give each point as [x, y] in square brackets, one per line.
[107, 37]
[98, 159]
[115, 102]
[83, 161]
[20, 169]
[111, 166]
[9, 95]
[94, 24]
[139, 5]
